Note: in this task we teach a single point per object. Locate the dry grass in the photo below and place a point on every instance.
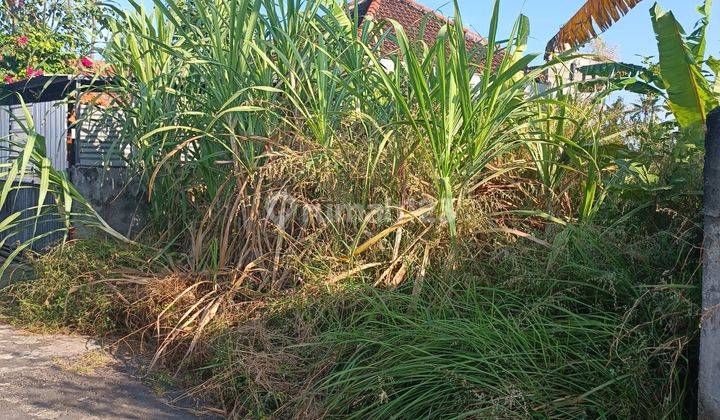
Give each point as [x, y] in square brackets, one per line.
[85, 364]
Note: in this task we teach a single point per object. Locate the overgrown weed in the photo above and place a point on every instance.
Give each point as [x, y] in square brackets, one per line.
[335, 240]
[67, 290]
[515, 329]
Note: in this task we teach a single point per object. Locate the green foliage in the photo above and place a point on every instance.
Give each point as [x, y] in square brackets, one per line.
[46, 36]
[67, 292]
[664, 152]
[678, 75]
[40, 49]
[268, 301]
[689, 94]
[567, 138]
[299, 70]
[76, 24]
[464, 125]
[631, 77]
[578, 333]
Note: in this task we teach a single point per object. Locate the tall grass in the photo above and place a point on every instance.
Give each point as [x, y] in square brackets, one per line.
[567, 139]
[598, 326]
[251, 77]
[464, 125]
[490, 353]
[582, 331]
[252, 122]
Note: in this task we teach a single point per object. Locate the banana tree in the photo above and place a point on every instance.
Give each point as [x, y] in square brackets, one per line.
[681, 81]
[678, 76]
[689, 93]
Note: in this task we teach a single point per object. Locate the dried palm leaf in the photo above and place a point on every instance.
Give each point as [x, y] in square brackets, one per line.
[593, 15]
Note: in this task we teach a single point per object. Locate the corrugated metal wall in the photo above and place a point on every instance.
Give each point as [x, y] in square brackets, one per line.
[96, 136]
[16, 121]
[47, 230]
[97, 139]
[50, 119]
[4, 131]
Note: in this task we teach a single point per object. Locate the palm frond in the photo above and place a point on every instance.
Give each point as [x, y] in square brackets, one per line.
[584, 25]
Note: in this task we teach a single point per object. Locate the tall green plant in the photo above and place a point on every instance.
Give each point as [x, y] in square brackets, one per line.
[567, 141]
[210, 86]
[463, 125]
[688, 91]
[680, 78]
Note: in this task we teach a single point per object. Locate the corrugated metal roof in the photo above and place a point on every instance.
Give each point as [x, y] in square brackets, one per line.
[46, 88]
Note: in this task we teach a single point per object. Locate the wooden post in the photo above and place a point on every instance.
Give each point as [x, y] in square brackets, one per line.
[709, 375]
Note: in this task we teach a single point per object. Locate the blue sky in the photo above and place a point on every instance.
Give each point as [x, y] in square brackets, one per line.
[632, 36]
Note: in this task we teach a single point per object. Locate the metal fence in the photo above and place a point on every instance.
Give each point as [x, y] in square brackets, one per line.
[51, 121]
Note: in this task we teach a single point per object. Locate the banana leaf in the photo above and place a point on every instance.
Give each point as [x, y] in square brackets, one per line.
[689, 94]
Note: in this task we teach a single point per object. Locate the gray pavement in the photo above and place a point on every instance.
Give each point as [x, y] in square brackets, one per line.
[69, 377]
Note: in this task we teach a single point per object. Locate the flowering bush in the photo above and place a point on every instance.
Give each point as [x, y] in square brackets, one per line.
[39, 51]
[46, 37]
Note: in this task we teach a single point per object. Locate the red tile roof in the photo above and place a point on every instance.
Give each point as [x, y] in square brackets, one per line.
[411, 15]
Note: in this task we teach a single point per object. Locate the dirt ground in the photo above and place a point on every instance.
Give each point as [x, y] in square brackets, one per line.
[68, 377]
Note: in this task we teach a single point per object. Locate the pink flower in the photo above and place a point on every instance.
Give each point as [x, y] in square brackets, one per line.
[31, 72]
[8, 79]
[22, 40]
[86, 62]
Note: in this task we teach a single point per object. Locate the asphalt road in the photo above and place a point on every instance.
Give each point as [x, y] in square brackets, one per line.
[61, 377]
